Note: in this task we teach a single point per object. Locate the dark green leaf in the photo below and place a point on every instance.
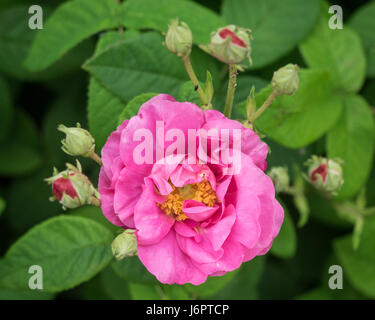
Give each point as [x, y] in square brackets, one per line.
[71, 23]
[150, 14]
[277, 26]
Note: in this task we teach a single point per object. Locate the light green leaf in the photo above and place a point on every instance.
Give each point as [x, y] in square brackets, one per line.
[359, 265]
[339, 51]
[352, 140]
[104, 106]
[132, 269]
[70, 250]
[151, 14]
[285, 244]
[136, 66]
[20, 154]
[296, 121]
[188, 93]
[363, 22]
[71, 23]
[143, 64]
[6, 110]
[277, 26]
[133, 106]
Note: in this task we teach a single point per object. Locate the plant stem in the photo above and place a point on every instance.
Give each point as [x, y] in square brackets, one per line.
[264, 106]
[194, 79]
[231, 90]
[96, 158]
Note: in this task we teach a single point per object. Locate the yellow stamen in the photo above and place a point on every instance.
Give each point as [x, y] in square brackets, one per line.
[197, 191]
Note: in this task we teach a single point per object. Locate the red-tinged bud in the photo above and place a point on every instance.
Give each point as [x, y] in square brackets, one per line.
[325, 174]
[72, 188]
[230, 44]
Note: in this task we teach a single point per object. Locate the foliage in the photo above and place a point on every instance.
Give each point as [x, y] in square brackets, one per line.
[96, 62]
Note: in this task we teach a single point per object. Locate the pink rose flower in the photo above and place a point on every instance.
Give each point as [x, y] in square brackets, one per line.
[191, 220]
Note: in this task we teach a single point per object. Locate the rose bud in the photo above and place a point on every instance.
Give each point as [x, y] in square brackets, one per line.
[78, 141]
[179, 38]
[124, 245]
[280, 178]
[230, 44]
[72, 188]
[325, 174]
[286, 80]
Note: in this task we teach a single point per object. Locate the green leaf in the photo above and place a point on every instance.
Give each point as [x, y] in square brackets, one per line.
[70, 250]
[211, 286]
[133, 106]
[188, 93]
[359, 265]
[142, 64]
[139, 291]
[285, 244]
[136, 66]
[6, 110]
[114, 286]
[277, 26]
[296, 121]
[176, 292]
[132, 269]
[95, 214]
[27, 294]
[339, 51]
[363, 22]
[244, 284]
[20, 154]
[151, 14]
[71, 23]
[352, 140]
[16, 39]
[103, 105]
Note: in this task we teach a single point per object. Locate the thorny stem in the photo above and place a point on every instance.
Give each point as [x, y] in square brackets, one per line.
[96, 158]
[264, 106]
[231, 90]
[194, 80]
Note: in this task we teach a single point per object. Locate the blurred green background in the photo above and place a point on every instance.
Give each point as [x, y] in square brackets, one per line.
[90, 60]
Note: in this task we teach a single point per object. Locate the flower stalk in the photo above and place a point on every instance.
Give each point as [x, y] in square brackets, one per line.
[194, 80]
[231, 90]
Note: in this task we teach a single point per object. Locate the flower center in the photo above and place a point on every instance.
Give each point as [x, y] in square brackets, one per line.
[201, 192]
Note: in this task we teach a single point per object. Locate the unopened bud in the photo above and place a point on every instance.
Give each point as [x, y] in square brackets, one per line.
[280, 178]
[325, 174]
[124, 245]
[230, 44]
[286, 80]
[78, 141]
[179, 38]
[72, 188]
